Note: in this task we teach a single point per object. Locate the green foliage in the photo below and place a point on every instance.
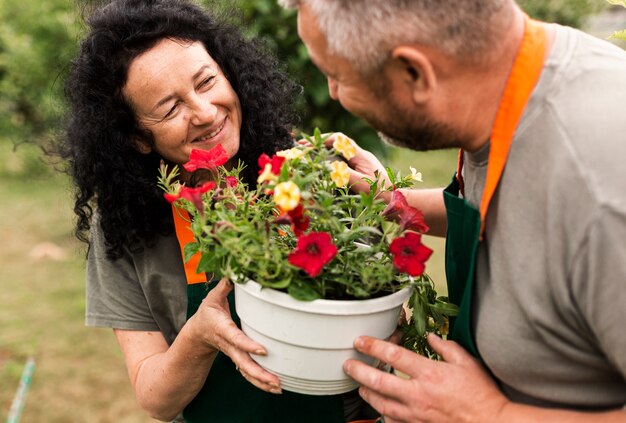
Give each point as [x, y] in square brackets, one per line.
[620, 35]
[304, 232]
[430, 314]
[278, 30]
[241, 235]
[565, 12]
[37, 41]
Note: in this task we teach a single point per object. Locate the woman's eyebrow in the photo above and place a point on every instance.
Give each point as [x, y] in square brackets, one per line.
[170, 97]
[201, 70]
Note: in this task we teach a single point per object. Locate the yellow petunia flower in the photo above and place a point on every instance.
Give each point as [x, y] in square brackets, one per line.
[266, 175]
[287, 196]
[339, 173]
[291, 154]
[344, 147]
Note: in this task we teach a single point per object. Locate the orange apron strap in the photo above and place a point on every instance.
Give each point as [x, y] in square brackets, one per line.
[459, 175]
[185, 236]
[522, 80]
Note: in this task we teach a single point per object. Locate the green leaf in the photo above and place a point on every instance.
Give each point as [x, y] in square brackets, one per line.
[277, 284]
[317, 135]
[367, 200]
[617, 2]
[619, 35]
[391, 175]
[302, 291]
[447, 309]
[419, 313]
[190, 250]
[420, 320]
[208, 263]
[363, 229]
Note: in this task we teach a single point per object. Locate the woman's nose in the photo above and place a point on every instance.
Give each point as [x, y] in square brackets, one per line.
[203, 111]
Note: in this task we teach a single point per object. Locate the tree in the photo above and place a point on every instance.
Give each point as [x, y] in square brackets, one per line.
[37, 41]
[565, 12]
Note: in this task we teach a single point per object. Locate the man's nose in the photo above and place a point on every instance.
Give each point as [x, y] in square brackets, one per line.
[332, 88]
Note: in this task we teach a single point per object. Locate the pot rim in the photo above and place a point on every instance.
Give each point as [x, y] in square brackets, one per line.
[339, 307]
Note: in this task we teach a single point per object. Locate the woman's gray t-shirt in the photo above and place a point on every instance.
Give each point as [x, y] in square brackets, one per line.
[144, 291]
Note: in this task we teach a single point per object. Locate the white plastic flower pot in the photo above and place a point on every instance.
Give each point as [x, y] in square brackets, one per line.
[308, 342]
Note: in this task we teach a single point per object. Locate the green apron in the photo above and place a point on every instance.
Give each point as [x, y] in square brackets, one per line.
[461, 246]
[227, 397]
[466, 223]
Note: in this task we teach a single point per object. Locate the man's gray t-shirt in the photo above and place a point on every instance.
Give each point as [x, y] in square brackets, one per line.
[550, 300]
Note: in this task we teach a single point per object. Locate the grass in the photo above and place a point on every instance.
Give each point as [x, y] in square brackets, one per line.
[80, 374]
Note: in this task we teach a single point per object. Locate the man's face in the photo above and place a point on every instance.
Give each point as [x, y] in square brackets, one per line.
[380, 98]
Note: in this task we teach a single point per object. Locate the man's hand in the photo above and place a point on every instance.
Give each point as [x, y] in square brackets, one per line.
[456, 390]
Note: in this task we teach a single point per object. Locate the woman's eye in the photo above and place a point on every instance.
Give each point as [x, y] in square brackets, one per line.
[206, 81]
[171, 111]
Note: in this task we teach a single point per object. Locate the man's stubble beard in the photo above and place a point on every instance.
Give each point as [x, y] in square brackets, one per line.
[417, 133]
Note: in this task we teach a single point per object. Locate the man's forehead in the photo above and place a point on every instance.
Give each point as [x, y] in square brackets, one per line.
[315, 41]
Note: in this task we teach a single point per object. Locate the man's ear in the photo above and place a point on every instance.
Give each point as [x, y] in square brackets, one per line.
[416, 71]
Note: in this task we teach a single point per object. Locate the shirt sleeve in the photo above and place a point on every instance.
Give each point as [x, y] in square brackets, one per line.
[114, 294]
[599, 283]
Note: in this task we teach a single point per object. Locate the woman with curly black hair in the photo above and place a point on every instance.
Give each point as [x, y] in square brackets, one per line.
[153, 80]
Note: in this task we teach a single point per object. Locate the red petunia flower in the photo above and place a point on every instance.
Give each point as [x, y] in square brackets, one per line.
[296, 218]
[410, 217]
[202, 159]
[231, 181]
[192, 194]
[409, 254]
[275, 161]
[313, 252]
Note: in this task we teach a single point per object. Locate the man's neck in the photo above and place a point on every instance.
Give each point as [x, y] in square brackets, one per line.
[490, 82]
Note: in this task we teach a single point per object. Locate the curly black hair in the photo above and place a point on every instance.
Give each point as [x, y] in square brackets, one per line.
[99, 147]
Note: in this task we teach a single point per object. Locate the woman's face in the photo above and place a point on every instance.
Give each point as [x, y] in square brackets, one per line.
[179, 93]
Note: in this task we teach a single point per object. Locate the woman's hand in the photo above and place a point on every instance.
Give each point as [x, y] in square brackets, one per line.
[214, 324]
[166, 378]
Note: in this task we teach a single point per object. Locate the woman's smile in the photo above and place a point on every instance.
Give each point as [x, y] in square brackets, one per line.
[212, 133]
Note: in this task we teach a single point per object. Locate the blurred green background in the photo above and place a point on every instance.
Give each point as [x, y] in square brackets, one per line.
[80, 374]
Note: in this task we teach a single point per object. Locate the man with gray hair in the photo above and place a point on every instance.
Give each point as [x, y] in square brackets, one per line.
[535, 217]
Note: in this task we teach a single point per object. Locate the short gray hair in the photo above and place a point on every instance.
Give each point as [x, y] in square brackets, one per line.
[365, 31]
